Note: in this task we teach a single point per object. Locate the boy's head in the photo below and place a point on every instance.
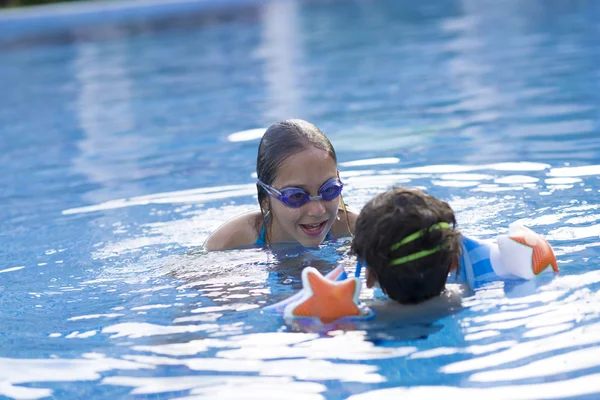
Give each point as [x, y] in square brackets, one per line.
[408, 242]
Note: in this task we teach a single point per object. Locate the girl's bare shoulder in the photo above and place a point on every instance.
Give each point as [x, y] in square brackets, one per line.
[240, 231]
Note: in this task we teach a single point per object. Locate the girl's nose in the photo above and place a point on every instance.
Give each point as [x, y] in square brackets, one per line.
[315, 208]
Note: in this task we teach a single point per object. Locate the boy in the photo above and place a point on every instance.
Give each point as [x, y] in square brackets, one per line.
[408, 240]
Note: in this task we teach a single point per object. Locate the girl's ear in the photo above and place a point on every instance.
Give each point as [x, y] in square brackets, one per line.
[370, 278]
[266, 205]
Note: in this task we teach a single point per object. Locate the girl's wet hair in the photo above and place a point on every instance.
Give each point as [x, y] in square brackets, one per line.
[394, 215]
[282, 140]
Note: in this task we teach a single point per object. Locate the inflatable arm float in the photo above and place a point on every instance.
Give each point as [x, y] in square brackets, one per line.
[521, 253]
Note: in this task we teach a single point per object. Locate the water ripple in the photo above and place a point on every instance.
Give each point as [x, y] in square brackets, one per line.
[568, 388]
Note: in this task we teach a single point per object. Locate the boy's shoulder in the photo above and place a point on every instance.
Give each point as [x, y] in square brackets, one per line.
[447, 303]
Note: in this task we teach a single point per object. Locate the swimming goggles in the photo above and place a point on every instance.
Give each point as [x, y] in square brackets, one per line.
[297, 197]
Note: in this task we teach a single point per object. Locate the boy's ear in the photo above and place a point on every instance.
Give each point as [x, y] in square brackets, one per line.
[454, 264]
[370, 278]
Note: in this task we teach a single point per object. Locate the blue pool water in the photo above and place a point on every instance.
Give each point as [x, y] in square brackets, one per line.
[128, 134]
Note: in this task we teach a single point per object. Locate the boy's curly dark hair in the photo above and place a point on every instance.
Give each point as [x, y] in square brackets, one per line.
[392, 216]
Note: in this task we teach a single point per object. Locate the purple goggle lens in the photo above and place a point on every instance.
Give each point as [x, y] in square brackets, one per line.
[297, 197]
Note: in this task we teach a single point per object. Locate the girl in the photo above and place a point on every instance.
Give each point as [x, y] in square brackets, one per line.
[299, 192]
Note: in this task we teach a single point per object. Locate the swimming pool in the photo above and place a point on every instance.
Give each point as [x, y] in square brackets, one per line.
[127, 135]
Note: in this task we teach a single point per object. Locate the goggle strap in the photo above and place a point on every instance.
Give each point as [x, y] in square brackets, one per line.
[408, 239]
[269, 189]
[418, 234]
[412, 237]
[415, 256]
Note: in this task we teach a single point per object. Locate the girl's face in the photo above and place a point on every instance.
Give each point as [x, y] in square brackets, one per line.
[307, 224]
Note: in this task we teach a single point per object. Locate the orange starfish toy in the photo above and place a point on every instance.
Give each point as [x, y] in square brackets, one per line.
[325, 299]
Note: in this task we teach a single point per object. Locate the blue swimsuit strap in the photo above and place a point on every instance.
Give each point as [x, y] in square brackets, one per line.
[262, 236]
[261, 241]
